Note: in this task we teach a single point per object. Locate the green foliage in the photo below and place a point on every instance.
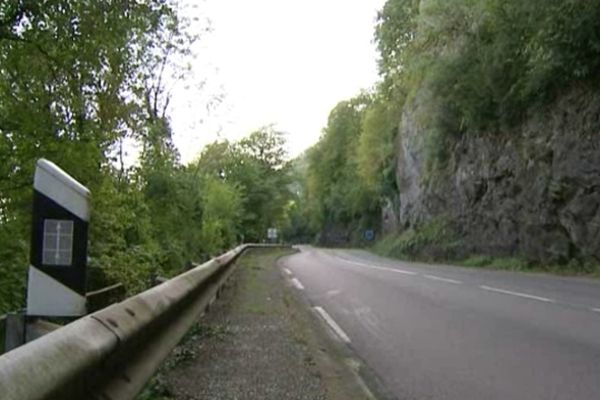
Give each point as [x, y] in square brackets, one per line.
[434, 240]
[335, 193]
[478, 66]
[464, 67]
[515, 264]
[78, 80]
[14, 255]
[256, 166]
[455, 68]
[487, 61]
[121, 246]
[74, 81]
[296, 228]
[375, 149]
[574, 267]
[222, 208]
[351, 170]
[156, 389]
[395, 33]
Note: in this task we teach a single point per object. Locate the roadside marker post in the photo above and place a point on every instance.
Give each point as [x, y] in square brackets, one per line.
[59, 237]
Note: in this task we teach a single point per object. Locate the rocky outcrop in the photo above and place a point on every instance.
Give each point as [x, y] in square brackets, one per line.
[533, 191]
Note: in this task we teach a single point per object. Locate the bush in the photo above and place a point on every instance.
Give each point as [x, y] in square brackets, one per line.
[510, 263]
[434, 240]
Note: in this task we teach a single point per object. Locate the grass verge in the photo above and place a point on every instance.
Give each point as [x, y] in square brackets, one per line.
[573, 268]
[158, 388]
[432, 241]
[436, 242]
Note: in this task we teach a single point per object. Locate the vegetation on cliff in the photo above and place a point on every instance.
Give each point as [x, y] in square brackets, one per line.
[460, 69]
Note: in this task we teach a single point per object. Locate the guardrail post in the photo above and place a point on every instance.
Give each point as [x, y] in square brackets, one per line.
[15, 331]
[36, 328]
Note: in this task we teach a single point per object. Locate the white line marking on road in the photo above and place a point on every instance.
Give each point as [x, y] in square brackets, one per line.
[332, 324]
[595, 310]
[400, 271]
[437, 278]
[287, 271]
[334, 292]
[297, 284]
[525, 295]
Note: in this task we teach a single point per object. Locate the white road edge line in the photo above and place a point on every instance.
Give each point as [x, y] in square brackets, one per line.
[400, 271]
[297, 284]
[332, 324]
[595, 310]
[525, 295]
[287, 271]
[437, 278]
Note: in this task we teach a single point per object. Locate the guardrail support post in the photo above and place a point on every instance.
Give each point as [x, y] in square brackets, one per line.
[36, 328]
[15, 331]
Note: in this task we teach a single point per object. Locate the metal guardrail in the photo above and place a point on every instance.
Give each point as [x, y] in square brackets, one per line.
[112, 353]
[12, 325]
[12, 332]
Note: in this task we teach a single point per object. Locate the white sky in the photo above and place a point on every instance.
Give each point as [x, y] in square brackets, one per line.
[280, 62]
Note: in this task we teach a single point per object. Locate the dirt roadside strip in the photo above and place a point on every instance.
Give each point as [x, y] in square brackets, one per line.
[261, 340]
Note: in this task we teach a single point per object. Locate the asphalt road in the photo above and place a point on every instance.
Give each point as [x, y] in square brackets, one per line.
[443, 332]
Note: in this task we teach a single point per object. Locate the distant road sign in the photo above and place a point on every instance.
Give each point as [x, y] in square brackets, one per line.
[272, 233]
[369, 235]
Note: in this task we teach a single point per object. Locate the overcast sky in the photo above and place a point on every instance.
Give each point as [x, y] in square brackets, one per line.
[280, 62]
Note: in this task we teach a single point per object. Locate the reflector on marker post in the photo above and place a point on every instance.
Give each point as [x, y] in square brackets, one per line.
[57, 272]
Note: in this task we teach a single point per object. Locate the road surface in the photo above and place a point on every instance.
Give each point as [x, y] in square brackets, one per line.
[442, 332]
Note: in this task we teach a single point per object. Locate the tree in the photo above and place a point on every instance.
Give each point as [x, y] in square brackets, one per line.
[256, 166]
[375, 148]
[222, 206]
[71, 81]
[337, 195]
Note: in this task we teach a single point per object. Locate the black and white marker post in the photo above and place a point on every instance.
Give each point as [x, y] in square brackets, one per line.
[57, 274]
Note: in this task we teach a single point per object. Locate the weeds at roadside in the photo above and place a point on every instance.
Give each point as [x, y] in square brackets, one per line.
[433, 240]
[434, 243]
[573, 268]
[511, 263]
[156, 389]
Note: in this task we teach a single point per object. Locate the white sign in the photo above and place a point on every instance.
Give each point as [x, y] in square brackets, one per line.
[272, 233]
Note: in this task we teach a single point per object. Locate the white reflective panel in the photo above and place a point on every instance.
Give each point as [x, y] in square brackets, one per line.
[47, 296]
[58, 242]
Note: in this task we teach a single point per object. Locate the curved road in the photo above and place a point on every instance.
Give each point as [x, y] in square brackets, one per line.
[443, 332]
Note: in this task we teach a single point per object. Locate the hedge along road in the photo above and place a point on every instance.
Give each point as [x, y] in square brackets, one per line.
[442, 332]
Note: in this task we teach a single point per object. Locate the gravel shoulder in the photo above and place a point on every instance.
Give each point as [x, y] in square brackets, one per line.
[260, 340]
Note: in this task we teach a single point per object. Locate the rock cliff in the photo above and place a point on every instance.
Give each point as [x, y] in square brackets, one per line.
[531, 191]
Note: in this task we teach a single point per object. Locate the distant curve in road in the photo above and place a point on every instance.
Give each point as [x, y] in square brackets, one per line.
[443, 332]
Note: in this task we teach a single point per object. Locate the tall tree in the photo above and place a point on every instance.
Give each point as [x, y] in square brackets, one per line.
[257, 166]
[72, 82]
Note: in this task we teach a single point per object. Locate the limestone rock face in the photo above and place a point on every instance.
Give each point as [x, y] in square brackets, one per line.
[533, 191]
